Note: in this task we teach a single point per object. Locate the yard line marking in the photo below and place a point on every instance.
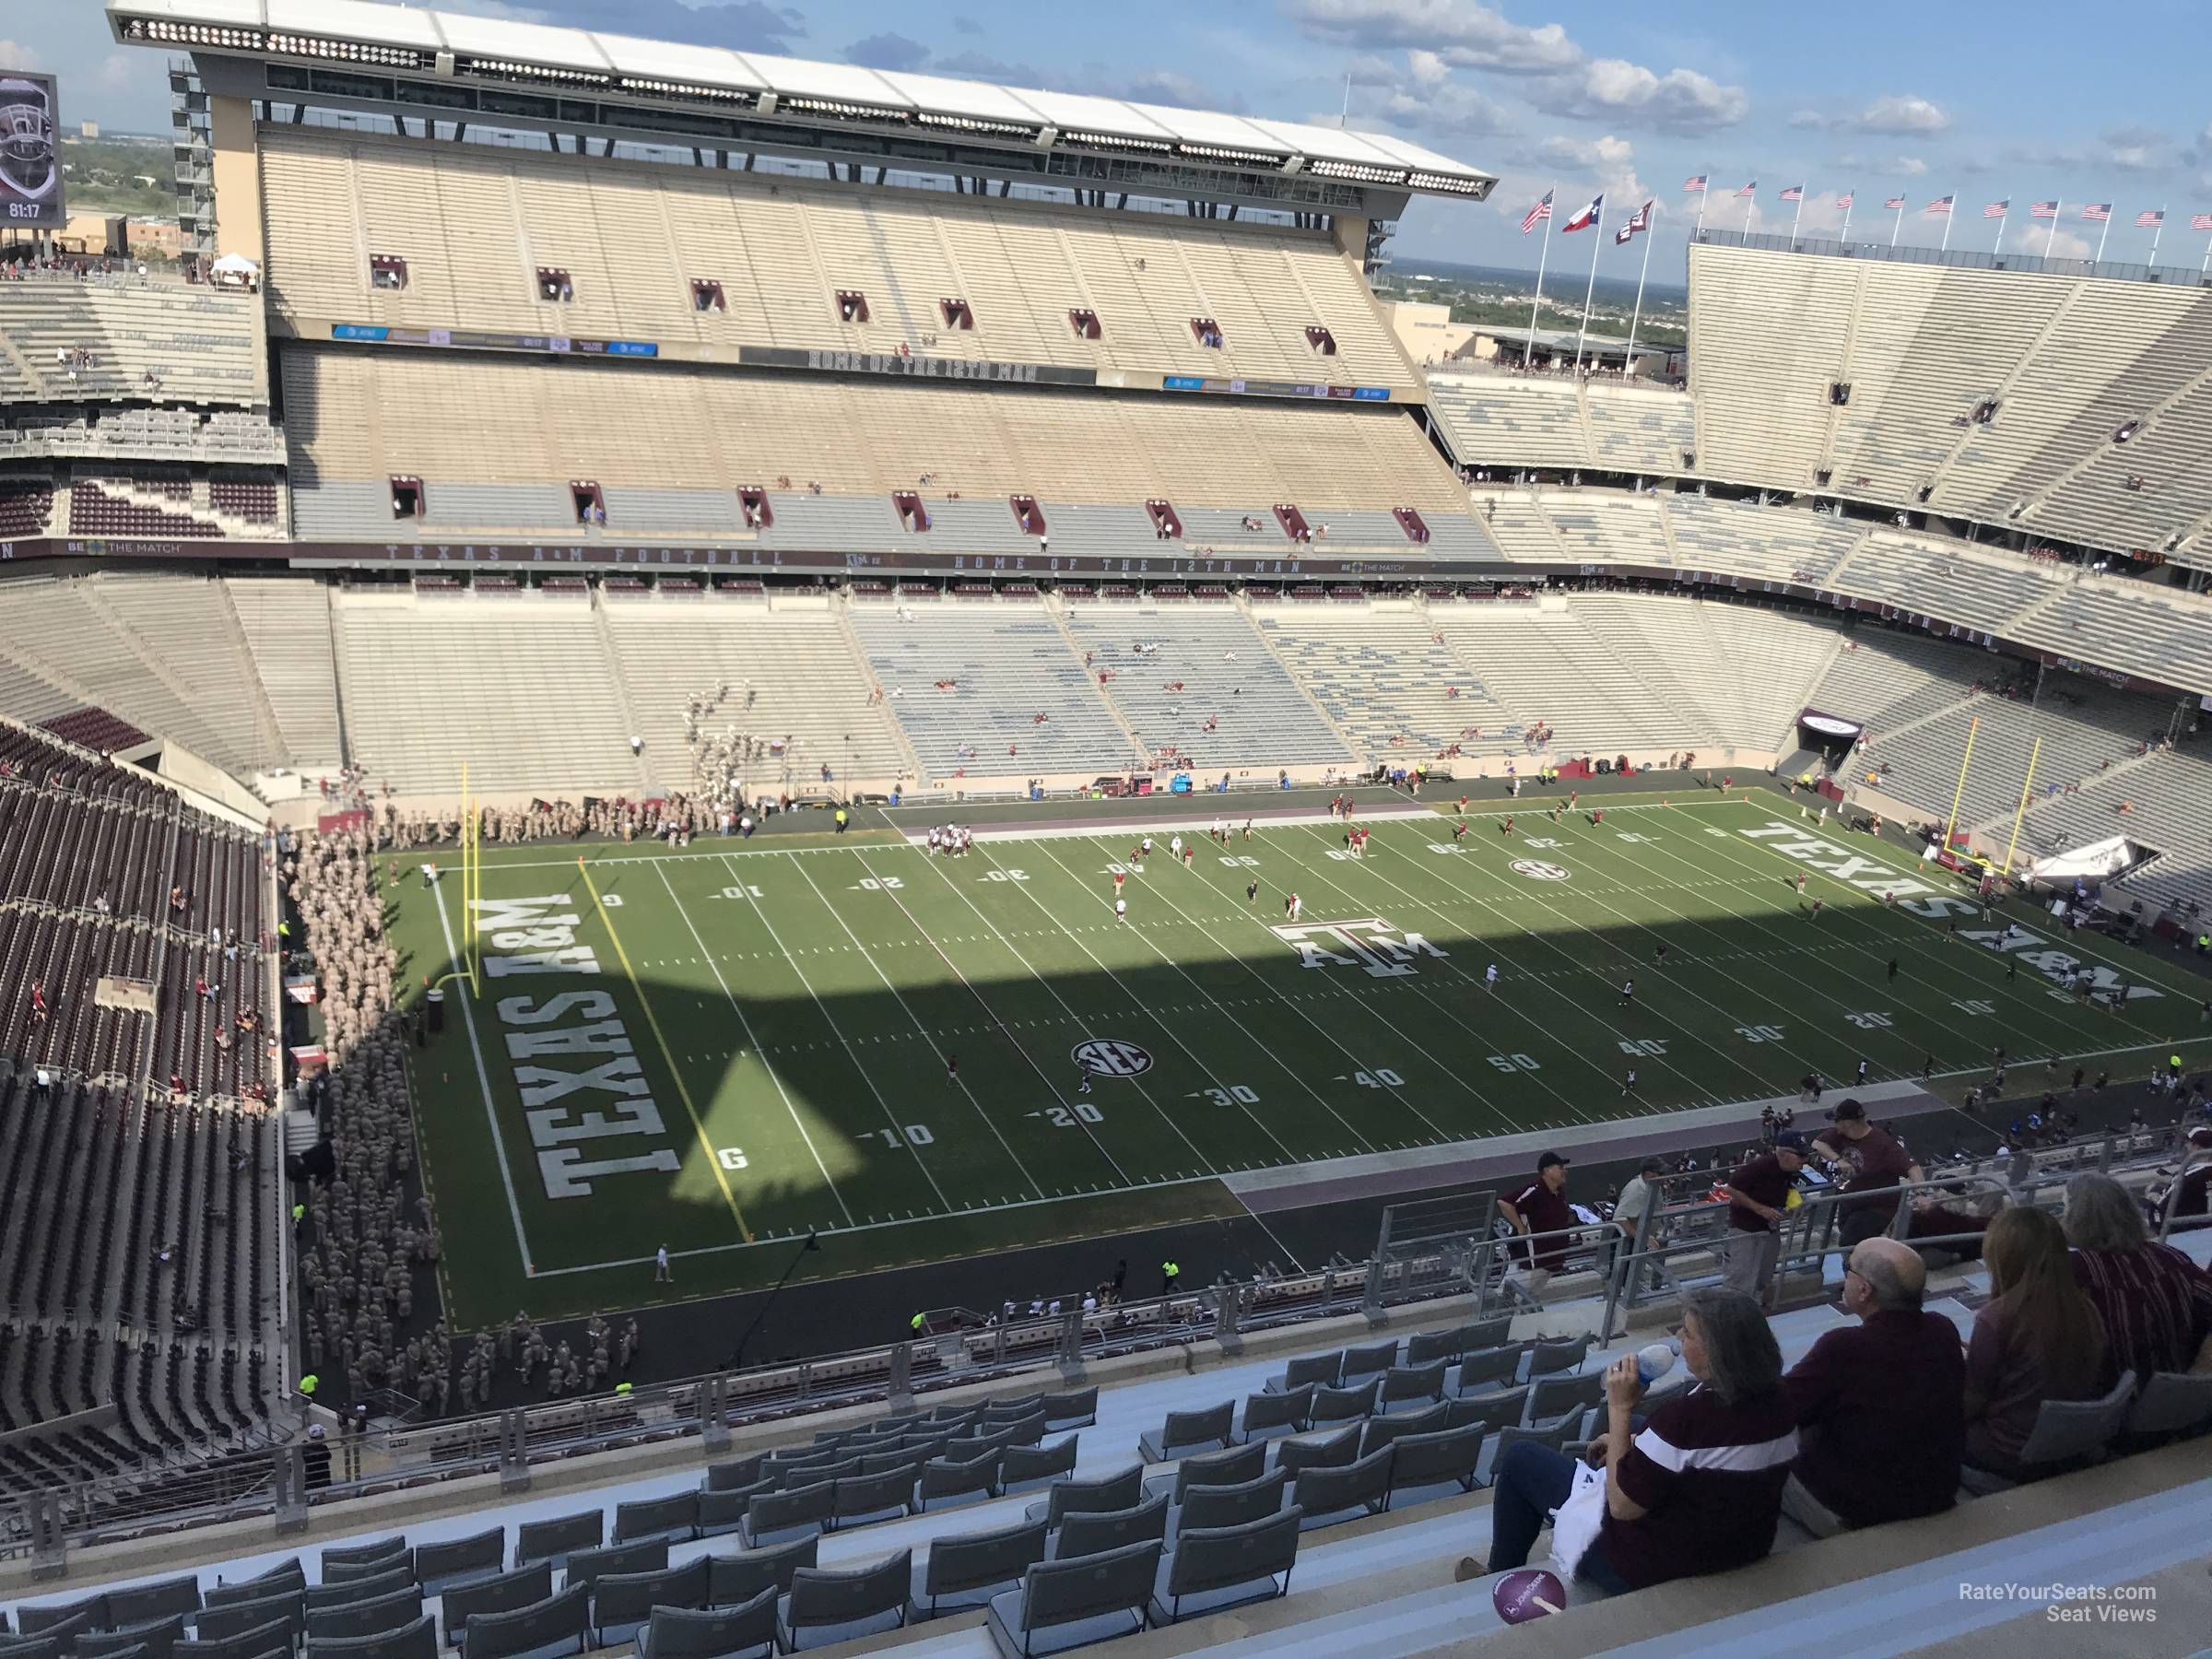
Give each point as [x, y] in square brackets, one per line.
[909, 1012]
[915, 1152]
[491, 1116]
[1206, 1069]
[1405, 1098]
[674, 1072]
[937, 863]
[751, 1041]
[1058, 1098]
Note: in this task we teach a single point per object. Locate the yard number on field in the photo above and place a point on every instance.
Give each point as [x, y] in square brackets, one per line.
[1067, 1117]
[1514, 1063]
[1380, 1077]
[1236, 1094]
[1760, 1034]
[744, 891]
[912, 1134]
[870, 884]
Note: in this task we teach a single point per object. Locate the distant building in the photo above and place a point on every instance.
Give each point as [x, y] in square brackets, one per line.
[96, 234]
[1555, 347]
[1427, 331]
[88, 129]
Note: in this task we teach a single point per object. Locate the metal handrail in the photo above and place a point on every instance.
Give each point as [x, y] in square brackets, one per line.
[2194, 1161]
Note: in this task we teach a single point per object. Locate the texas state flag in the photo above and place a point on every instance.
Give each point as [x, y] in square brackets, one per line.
[1586, 217]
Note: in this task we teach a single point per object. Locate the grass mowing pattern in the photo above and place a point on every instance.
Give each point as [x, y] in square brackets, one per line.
[790, 1013]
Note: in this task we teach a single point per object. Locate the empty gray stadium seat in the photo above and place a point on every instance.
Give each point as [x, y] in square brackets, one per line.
[416, 1641]
[1456, 1343]
[1228, 1467]
[2066, 1434]
[1119, 1490]
[352, 1589]
[733, 1473]
[348, 1559]
[49, 1646]
[873, 1464]
[525, 1587]
[478, 1556]
[771, 1515]
[557, 1625]
[944, 1478]
[734, 1580]
[285, 1575]
[1486, 1368]
[738, 1632]
[1019, 1465]
[1016, 1406]
[1322, 1369]
[1216, 1567]
[1021, 1431]
[1074, 1602]
[1548, 1397]
[623, 1601]
[1446, 1456]
[2171, 1403]
[967, 1569]
[1233, 1505]
[245, 1645]
[88, 1613]
[1073, 1408]
[1558, 1433]
[155, 1636]
[553, 1540]
[721, 1512]
[290, 1607]
[1087, 1531]
[1403, 1384]
[1184, 1430]
[142, 1603]
[586, 1567]
[1345, 1405]
[1368, 1361]
[1318, 1451]
[1381, 1431]
[673, 1519]
[1266, 1412]
[1548, 1358]
[1362, 1485]
[850, 1601]
[370, 1617]
[1491, 1410]
[870, 1497]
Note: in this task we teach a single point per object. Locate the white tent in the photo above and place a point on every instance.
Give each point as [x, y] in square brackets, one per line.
[235, 270]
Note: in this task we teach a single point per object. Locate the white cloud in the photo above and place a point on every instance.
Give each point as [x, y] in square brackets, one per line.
[1893, 114]
[1681, 100]
[17, 57]
[1423, 97]
[1903, 167]
[1469, 35]
[116, 71]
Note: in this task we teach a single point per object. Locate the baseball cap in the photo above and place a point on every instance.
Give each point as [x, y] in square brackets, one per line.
[1549, 1159]
[1652, 1166]
[1789, 1140]
[1846, 1111]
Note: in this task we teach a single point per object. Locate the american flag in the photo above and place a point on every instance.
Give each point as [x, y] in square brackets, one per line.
[1997, 209]
[1940, 205]
[1844, 200]
[1751, 189]
[1793, 192]
[2150, 218]
[2042, 210]
[1893, 202]
[2200, 221]
[2097, 212]
[1694, 184]
[1536, 215]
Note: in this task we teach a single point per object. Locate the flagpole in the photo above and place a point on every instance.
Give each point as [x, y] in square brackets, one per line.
[2156, 231]
[2203, 265]
[1702, 196]
[1597, 228]
[2101, 235]
[1897, 223]
[1749, 201]
[2050, 241]
[1845, 237]
[2002, 219]
[1798, 221]
[1630, 367]
[1528, 352]
[1951, 213]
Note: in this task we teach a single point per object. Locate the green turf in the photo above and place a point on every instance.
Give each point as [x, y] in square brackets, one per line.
[788, 1010]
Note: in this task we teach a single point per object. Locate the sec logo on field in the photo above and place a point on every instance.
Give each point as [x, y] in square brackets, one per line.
[1107, 1057]
[1536, 870]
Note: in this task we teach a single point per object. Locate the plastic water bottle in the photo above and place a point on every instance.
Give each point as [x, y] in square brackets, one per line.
[1653, 1360]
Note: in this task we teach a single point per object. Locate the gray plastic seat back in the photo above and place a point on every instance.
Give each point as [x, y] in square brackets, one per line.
[144, 1603]
[1321, 1451]
[245, 1645]
[1488, 1368]
[1550, 1358]
[478, 1556]
[622, 1601]
[723, 1633]
[733, 1472]
[1492, 1410]
[156, 1636]
[1414, 1382]
[1230, 1467]
[560, 1619]
[733, 1579]
[87, 1613]
[826, 1595]
[1213, 1558]
[290, 1607]
[977, 1561]
[1072, 1409]
[1363, 1483]
[1091, 1531]
[872, 1494]
[799, 1506]
[2068, 1429]
[370, 1618]
[1322, 1369]
[943, 1478]
[1209, 1427]
[1116, 1491]
[1428, 1346]
[563, 1535]
[364, 1560]
[49, 1646]
[1018, 1464]
[1206, 1506]
[353, 1590]
[1424, 1460]
[2171, 1402]
[1555, 1434]
[286, 1575]
[641, 1554]
[1286, 1410]
[1343, 1405]
[416, 1641]
[1057, 1593]
[525, 1587]
[1367, 1360]
[1380, 1431]
[673, 1517]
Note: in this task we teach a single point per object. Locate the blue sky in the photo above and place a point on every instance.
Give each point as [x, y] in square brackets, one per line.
[2029, 101]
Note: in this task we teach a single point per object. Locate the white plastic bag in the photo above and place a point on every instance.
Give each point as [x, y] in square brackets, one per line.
[1575, 1523]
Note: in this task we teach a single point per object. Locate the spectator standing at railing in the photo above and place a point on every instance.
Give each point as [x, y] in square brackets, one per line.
[1540, 1207]
[1879, 1406]
[1868, 1160]
[1757, 1194]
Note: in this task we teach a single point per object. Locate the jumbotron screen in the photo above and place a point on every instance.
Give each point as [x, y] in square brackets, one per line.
[31, 164]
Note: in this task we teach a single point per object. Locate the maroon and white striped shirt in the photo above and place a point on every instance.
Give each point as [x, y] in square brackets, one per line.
[2154, 1304]
[1709, 1475]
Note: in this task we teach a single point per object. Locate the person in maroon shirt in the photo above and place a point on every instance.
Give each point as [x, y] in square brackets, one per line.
[2154, 1303]
[1757, 1194]
[1540, 1207]
[1879, 1406]
[1867, 1160]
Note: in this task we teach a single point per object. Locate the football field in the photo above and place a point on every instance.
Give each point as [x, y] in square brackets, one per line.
[925, 1057]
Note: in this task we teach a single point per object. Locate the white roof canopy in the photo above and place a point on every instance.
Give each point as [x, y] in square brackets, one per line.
[577, 55]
